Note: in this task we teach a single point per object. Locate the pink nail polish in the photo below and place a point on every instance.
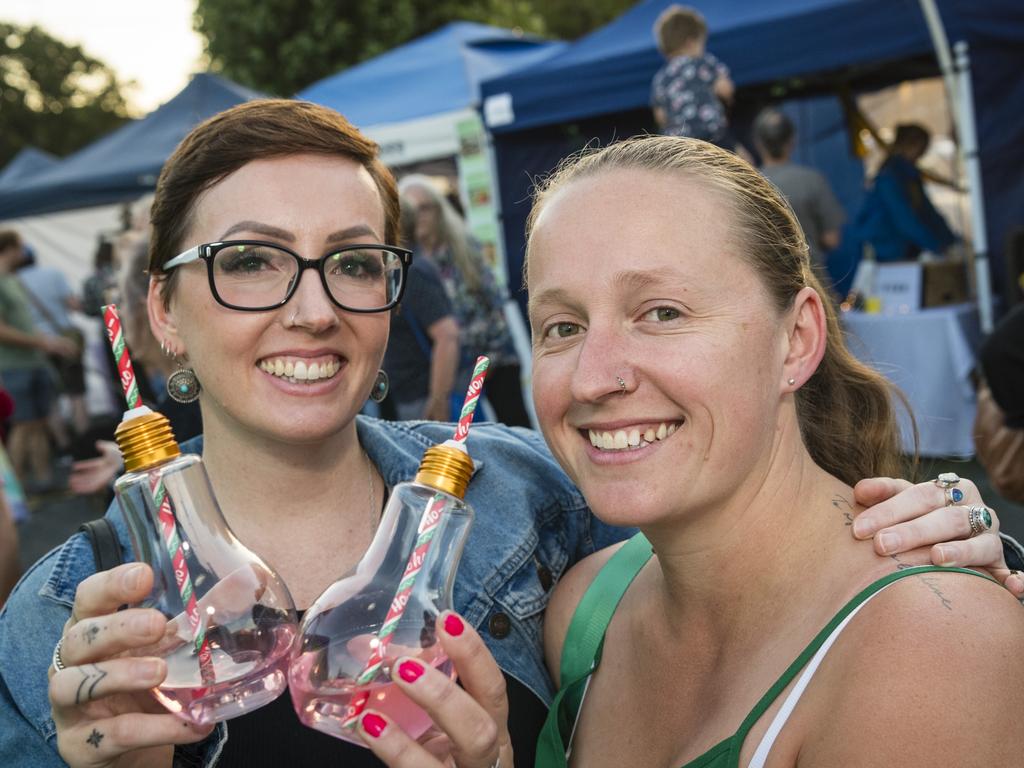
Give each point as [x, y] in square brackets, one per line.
[374, 724]
[410, 671]
[453, 625]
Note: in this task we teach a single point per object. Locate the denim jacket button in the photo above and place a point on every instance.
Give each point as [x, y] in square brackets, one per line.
[499, 626]
[545, 577]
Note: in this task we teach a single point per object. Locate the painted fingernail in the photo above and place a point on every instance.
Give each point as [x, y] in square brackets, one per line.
[132, 577]
[453, 625]
[888, 542]
[374, 724]
[410, 670]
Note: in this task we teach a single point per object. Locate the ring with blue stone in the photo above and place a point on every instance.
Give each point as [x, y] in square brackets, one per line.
[979, 518]
[947, 482]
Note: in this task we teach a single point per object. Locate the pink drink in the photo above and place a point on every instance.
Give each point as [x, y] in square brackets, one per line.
[252, 674]
[325, 706]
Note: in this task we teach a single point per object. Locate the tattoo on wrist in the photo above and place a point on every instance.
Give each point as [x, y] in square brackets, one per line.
[95, 738]
[91, 677]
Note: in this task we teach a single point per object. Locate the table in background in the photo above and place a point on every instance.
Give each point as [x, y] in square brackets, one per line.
[929, 355]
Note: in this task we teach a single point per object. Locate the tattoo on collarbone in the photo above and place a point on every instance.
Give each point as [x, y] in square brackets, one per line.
[928, 579]
[91, 677]
[95, 738]
[845, 507]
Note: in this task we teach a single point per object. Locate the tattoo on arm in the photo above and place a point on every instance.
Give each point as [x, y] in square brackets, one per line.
[91, 677]
[845, 507]
[95, 738]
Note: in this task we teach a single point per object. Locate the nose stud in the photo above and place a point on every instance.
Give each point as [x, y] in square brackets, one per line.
[622, 384]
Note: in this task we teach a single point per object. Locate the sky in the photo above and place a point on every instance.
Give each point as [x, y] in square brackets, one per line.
[150, 41]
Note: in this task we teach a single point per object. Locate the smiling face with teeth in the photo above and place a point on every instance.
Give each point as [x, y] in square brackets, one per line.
[631, 275]
[300, 372]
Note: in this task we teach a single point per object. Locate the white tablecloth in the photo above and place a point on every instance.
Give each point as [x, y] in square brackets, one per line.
[929, 355]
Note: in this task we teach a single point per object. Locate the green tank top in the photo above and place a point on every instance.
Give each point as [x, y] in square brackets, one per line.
[584, 640]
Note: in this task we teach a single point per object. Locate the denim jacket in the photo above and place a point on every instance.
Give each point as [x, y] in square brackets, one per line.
[531, 524]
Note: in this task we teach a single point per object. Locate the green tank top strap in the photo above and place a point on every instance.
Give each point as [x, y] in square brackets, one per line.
[581, 652]
[801, 661]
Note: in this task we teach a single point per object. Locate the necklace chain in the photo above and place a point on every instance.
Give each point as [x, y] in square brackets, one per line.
[374, 512]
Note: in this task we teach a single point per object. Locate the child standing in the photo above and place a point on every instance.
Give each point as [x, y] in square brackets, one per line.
[690, 93]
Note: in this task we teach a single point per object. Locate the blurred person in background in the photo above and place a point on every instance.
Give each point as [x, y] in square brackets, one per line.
[999, 424]
[441, 235]
[26, 372]
[152, 366]
[51, 300]
[691, 92]
[897, 217]
[424, 338]
[807, 191]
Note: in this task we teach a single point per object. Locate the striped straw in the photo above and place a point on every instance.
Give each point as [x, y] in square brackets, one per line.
[165, 511]
[476, 386]
[424, 534]
[112, 322]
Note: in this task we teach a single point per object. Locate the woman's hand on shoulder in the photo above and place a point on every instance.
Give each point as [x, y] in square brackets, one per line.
[914, 523]
[102, 706]
[930, 673]
[473, 719]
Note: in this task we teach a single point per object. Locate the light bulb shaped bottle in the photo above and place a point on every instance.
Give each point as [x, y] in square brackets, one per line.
[387, 606]
[231, 620]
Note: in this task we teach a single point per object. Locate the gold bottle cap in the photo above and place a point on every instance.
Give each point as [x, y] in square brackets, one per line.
[447, 469]
[145, 439]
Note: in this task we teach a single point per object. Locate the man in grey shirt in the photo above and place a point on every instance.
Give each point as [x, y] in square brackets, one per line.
[807, 190]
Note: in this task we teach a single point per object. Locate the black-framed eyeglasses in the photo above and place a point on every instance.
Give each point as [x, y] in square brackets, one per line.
[256, 276]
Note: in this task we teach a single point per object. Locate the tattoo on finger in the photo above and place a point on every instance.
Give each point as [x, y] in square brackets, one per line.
[91, 677]
[95, 738]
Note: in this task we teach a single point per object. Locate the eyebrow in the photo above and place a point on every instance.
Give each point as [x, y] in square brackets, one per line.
[630, 280]
[349, 233]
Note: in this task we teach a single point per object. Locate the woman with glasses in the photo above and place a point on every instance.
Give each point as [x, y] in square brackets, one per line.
[274, 271]
[692, 379]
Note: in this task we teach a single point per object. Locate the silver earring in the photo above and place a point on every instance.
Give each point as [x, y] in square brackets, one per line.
[381, 385]
[165, 349]
[183, 385]
[791, 382]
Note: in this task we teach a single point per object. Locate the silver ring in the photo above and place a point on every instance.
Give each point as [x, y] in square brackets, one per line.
[979, 517]
[947, 480]
[953, 496]
[57, 661]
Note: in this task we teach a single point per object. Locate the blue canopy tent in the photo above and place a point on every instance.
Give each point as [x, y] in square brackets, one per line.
[420, 101]
[26, 164]
[600, 86]
[125, 163]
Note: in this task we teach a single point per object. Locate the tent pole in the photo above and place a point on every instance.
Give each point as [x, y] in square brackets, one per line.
[969, 146]
[942, 52]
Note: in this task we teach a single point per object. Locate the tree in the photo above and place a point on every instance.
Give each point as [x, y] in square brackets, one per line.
[281, 46]
[55, 97]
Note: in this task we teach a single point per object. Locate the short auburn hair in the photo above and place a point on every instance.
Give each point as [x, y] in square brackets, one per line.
[255, 130]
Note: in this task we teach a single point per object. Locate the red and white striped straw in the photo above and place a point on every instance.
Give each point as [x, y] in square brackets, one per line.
[165, 510]
[424, 535]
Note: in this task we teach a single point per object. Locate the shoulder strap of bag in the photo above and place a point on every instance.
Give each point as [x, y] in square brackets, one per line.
[581, 652]
[106, 549]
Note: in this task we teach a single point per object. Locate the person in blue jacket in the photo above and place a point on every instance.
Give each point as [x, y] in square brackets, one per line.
[897, 218]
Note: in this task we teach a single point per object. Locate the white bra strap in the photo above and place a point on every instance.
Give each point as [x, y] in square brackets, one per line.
[768, 740]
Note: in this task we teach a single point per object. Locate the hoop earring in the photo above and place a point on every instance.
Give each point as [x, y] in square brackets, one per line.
[183, 385]
[381, 385]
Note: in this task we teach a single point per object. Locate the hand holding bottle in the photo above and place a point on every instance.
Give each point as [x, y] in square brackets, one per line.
[474, 718]
[102, 706]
